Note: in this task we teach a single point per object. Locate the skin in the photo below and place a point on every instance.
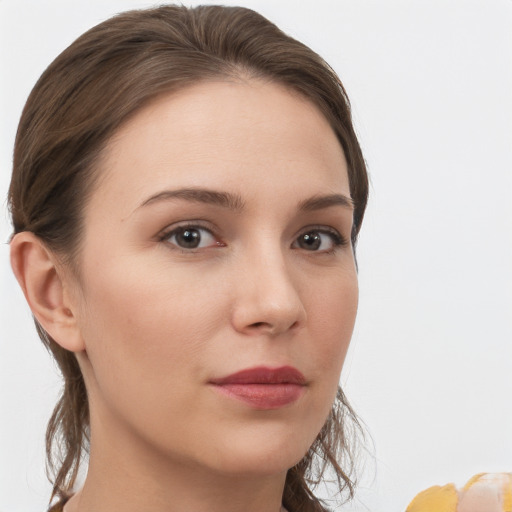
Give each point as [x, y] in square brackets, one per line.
[152, 322]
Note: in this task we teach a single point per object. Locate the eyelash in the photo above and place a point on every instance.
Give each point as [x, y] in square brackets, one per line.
[337, 239]
[166, 235]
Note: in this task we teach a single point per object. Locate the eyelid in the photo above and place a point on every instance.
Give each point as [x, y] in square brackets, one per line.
[169, 231]
[339, 240]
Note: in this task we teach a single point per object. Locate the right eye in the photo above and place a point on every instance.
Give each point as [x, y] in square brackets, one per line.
[191, 237]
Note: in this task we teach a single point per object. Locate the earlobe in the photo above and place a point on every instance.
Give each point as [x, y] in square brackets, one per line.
[37, 272]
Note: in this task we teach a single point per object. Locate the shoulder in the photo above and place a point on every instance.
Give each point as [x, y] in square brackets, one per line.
[491, 492]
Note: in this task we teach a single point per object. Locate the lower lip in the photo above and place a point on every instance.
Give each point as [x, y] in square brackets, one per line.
[263, 396]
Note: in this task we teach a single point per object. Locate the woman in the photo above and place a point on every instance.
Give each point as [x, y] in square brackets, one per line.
[186, 198]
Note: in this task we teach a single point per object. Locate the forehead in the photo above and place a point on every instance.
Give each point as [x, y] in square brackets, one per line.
[226, 134]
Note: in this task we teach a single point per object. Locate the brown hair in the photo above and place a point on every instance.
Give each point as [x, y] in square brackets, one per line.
[79, 102]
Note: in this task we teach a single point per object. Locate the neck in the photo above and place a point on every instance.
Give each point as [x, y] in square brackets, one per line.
[126, 474]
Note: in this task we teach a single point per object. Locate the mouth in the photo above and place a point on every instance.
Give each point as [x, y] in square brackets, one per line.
[263, 388]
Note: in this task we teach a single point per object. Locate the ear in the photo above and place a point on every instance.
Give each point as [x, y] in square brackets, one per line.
[37, 272]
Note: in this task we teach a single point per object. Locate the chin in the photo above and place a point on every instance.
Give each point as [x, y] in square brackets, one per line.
[262, 453]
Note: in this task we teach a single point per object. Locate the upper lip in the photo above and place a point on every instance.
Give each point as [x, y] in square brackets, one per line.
[263, 375]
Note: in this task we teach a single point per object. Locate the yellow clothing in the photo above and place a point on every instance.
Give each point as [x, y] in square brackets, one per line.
[485, 492]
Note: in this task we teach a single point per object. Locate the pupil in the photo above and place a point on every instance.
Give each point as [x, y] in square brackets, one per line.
[189, 238]
[311, 241]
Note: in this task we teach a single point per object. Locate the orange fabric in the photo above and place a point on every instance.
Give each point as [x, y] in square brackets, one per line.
[436, 498]
[491, 492]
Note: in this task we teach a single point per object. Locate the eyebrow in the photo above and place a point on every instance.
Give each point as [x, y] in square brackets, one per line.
[200, 195]
[235, 203]
[321, 202]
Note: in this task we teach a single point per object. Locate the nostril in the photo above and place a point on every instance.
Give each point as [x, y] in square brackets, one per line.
[272, 328]
[258, 324]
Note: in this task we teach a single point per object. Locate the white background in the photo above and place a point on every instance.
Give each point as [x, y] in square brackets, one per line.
[430, 367]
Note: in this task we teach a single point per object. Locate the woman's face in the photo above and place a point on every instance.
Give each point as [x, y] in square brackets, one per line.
[217, 241]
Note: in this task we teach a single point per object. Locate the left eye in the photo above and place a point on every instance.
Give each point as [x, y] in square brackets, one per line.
[191, 237]
[316, 240]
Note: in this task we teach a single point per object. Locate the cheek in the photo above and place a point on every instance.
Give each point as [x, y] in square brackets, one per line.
[140, 323]
[335, 305]
[332, 312]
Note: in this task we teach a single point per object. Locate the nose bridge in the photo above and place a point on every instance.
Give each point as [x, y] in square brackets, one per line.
[268, 298]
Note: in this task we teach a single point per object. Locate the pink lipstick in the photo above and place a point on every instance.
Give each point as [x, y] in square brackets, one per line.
[262, 387]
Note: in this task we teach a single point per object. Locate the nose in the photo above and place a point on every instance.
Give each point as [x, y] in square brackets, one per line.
[267, 301]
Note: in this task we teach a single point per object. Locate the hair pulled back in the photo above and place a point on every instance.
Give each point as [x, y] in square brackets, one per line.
[77, 105]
